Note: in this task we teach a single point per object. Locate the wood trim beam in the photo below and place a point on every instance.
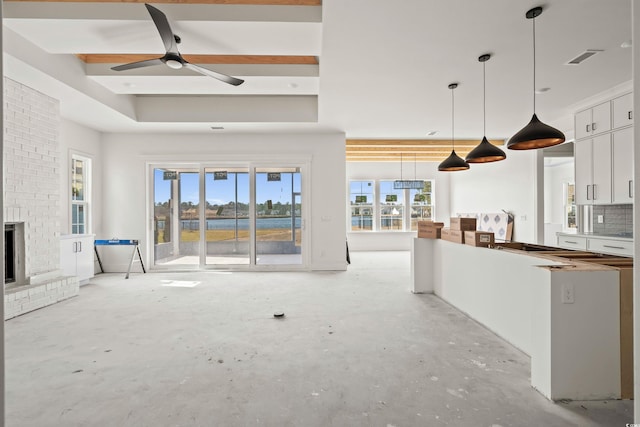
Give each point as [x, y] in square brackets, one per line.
[98, 58]
[236, 2]
[416, 142]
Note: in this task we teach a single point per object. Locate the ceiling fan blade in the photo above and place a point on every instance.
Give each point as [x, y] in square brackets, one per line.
[222, 77]
[139, 64]
[162, 24]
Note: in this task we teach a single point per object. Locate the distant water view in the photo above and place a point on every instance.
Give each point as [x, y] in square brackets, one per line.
[243, 223]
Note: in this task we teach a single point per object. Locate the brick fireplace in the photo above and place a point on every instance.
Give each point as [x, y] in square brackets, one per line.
[32, 200]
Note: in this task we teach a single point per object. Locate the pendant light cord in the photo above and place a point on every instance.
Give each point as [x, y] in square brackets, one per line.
[484, 98]
[534, 64]
[453, 144]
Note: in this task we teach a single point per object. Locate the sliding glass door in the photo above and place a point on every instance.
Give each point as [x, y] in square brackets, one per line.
[278, 216]
[227, 216]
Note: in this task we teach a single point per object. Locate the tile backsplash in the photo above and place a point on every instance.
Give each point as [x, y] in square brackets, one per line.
[617, 219]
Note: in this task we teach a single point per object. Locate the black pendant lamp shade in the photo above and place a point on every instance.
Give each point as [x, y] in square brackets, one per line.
[453, 162]
[536, 134]
[485, 152]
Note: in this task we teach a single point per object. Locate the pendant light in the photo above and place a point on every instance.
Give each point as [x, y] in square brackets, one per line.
[485, 152]
[453, 162]
[536, 134]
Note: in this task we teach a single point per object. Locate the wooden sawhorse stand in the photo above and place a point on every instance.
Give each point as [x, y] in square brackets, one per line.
[120, 242]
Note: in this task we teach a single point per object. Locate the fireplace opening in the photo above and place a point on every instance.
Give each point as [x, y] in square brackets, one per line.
[9, 253]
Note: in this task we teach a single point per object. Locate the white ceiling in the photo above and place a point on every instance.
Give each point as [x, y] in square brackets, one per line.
[384, 66]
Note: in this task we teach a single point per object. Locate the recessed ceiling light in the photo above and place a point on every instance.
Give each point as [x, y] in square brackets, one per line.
[293, 85]
[217, 127]
[543, 90]
[433, 132]
[129, 84]
[626, 44]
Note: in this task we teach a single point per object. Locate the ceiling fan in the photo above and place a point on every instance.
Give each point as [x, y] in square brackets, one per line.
[172, 58]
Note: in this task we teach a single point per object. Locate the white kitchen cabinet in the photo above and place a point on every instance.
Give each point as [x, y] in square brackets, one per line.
[610, 246]
[76, 256]
[622, 111]
[622, 165]
[572, 242]
[593, 121]
[593, 170]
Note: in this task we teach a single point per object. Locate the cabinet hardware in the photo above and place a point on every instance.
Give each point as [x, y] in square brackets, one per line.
[569, 241]
[614, 247]
[588, 192]
[630, 189]
[80, 246]
[594, 187]
[630, 115]
[588, 129]
[593, 127]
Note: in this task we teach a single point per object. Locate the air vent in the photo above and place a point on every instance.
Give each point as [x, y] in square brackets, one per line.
[585, 55]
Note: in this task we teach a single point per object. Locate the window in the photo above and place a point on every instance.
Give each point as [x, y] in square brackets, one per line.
[570, 206]
[421, 204]
[80, 194]
[361, 205]
[391, 207]
[388, 208]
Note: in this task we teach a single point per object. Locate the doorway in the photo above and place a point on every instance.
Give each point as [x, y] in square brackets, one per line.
[227, 217]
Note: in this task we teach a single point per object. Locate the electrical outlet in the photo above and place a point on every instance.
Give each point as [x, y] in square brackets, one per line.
[600, 219]
[568, 295]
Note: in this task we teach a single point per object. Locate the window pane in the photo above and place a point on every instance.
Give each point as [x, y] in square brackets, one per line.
[361, 196]
[421, 204]
[77, 179]
[391, 207]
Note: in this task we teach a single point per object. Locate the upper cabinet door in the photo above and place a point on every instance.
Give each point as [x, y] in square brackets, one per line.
[583, 124]
[601, 118]
[622, 111]
[623, 166]
[601, 190]
[583, 172]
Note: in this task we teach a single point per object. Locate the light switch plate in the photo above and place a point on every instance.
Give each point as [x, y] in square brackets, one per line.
[600, 219]
[568, 295]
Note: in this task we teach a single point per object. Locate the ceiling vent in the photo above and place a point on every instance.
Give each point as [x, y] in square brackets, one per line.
[584, 55]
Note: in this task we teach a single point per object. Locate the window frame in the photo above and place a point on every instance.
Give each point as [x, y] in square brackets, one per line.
[406, 206]
[85, 203]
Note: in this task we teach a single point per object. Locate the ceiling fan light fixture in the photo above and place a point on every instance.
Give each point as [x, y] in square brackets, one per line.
[172, 63]
[536, 134]
[485, 152]
[454, 162]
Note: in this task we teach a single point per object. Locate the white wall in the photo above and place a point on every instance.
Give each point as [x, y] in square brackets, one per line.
[78, 139]
[125, 183]
[511, 184]
[393, 240]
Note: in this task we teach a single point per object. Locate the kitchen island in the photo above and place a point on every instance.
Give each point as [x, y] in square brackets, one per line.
[561, 311]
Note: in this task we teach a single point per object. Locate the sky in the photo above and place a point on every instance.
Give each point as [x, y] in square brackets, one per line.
[223, 191]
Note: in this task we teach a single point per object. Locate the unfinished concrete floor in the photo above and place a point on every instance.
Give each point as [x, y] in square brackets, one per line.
[355, 348]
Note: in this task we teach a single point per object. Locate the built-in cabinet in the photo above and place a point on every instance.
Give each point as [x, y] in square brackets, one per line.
[595, 243]
[593, 121]
[604, 153]
[622, 165]
[76, 256]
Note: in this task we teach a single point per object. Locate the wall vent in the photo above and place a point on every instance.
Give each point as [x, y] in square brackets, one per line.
[584, 55]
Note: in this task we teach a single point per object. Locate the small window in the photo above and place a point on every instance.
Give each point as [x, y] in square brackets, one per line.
[570, 206]
[361, 205]
[80, 194]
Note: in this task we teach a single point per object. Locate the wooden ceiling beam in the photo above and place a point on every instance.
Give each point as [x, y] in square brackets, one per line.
[236, 2]
[99, 58]
[416, 142]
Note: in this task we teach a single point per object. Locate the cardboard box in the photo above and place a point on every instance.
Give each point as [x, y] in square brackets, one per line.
[479, 238]
[455, 236]
[463, 224]
[429, 229]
